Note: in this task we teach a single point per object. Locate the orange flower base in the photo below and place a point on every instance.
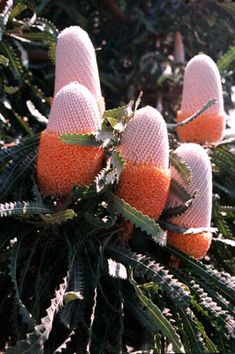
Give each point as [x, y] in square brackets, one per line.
[144, 187]
[61, 166]
[208, 128]
[195, 245]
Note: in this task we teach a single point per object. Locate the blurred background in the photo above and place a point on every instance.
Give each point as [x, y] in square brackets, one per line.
[140, 45]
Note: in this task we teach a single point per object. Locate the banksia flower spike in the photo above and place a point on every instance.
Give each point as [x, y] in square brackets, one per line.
[144, 181]
[202, 82]
[61, 166]
[199, 214]
[179, 48]
[76, 61]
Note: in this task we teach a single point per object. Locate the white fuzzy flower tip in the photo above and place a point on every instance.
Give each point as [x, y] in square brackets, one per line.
[74, 110]
[76, 61]
[145, 139]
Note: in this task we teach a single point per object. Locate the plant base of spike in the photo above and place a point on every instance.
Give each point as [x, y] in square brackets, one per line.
[144, 187]
[207, 128]
[126, 232]
[194, 245]
[61, 166]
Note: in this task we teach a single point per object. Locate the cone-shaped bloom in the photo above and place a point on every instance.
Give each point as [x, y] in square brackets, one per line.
[202, 82]
[144, 181]
[61, 166]
[76, 61]
[199, 214]
[179, 48]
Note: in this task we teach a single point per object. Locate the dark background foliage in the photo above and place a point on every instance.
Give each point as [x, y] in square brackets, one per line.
[135, 45]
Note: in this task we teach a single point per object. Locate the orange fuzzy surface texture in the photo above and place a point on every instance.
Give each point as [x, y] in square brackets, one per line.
[208, 128]
[144, 187]
[194, 245]
[61, 166]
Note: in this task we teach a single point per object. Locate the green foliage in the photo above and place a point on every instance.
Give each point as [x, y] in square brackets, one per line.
[226, 60]
[71, 282]
[144, 222]
[80, 139]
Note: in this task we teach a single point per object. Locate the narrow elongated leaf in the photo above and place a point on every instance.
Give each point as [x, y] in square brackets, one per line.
[159, 320]
[181, 167]
[79, 139]
[116, 115]
[207, 105]
[63, 347]
[192, 331]
[34, 343]
[117, 161]
[14, 171]
[20, 150]
[225, 241]
[14, 61]
[23, 209]
[179, 191]
[219, 317]
[185, 230]
[26, 315]
[4, 61]
[75, 289]
[206, 273]
[177, 210]
[226, 59]
[59, 217]
[146, 266]
[220, 220]
[144, 222]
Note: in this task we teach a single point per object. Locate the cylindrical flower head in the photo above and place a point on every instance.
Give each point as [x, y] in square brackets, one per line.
[179, 48]
[144, 181]
[76, 61]
[61, 166]
[202, 82]
[199, 214]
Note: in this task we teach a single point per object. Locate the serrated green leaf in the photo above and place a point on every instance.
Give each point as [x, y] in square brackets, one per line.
[158, 318]
[112, 121]
[144, 222]
[192, 332]
[17, 10]
[119, 114]
[4, 61]
[59, 217]
[208, 274]
[26, 315]
[179, 191]
[187, 231]
[117, 161]
[79, 139]
[34, 343]
[14, 171]
[181, 167]
[186, 121]
[147, 267]
[225, 241]
[20, 150]
[177, 210]
[226, 59]
[14, 60]
[22, 209]
[11, 89]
